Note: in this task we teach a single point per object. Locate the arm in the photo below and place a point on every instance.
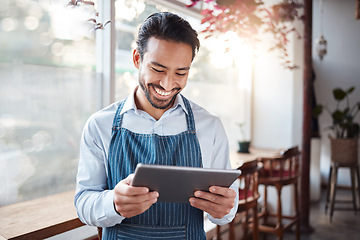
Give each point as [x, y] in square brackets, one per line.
[93, 202]
[97, 206]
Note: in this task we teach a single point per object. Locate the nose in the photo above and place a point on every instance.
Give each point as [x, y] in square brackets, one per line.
[167, 83]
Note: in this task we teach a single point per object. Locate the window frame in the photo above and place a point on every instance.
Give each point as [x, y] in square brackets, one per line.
[105, 52]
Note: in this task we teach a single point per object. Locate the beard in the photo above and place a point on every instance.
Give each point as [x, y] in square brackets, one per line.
[155, 102]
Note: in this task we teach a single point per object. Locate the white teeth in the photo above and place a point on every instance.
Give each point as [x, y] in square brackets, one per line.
[162, 92]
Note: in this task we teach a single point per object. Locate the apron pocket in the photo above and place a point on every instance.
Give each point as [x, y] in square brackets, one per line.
[133, 231]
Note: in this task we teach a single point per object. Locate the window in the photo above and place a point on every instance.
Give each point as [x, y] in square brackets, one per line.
[49, 86]
[48, 90]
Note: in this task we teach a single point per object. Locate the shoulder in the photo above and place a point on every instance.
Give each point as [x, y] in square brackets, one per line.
[102, 118]
[203, 116]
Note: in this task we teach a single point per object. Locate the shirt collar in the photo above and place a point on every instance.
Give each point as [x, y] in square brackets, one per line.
[130, 104]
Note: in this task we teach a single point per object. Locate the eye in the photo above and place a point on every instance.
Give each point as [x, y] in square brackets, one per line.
[157, 70]
[181, 74]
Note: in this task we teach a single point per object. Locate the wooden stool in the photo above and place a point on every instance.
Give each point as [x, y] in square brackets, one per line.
[332, 184]
[279, 172]
[248, 196]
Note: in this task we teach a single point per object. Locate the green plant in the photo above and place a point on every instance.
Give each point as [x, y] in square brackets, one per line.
[343, 116]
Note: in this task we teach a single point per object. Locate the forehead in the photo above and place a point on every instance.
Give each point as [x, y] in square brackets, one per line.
[168, 52]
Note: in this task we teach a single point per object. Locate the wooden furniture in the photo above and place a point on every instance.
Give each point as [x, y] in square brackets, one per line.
[332, 185]
[248, 192]
[248, 196]
[279, 172]
[40, 218]
[344, 154]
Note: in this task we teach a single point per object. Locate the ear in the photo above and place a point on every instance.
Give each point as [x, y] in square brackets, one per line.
[136, 58]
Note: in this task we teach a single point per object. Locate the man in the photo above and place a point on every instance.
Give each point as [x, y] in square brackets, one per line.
[154, 125]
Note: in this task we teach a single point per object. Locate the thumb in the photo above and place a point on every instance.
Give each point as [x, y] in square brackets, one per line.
[128, 179]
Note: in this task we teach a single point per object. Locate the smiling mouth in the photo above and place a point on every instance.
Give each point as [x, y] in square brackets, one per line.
[162, 92]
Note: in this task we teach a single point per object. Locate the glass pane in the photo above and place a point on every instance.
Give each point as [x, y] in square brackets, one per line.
[216, 76]
[48, 90]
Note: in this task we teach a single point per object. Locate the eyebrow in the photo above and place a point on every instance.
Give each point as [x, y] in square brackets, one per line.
[160, 65]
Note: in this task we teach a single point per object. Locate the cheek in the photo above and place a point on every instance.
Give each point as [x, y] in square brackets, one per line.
[146, 77]
[181, 82]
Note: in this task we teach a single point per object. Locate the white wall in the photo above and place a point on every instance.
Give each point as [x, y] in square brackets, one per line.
[277, 92]
[277, 96]
[339, 68]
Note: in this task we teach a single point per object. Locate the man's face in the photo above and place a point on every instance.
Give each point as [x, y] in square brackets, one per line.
[163, 71]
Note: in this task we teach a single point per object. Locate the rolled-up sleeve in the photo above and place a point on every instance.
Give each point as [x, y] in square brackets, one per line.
[93, 202]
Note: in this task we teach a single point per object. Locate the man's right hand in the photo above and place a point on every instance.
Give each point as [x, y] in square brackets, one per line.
[130, 201]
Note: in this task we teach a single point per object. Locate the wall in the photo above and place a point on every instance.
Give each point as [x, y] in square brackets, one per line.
[277, 94]
[277, 103]
[339, 68]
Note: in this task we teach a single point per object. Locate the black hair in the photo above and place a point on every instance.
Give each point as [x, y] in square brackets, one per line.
[167, 26]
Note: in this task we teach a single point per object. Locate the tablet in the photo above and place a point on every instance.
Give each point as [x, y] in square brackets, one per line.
[178, 184]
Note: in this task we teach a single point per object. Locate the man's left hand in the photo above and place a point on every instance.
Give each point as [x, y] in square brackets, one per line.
[218, 202]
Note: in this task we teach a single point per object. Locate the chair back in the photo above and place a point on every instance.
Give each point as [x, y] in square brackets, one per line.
[282, 168]
[248, 185]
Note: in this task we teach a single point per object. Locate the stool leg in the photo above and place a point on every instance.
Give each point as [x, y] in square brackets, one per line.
[218, 233]
[231, 230]
[279, 226]
[328, 189]
[246, 224]
[255, 224]
[333, 190]
[358, 181]
[297, 211]
[265, 210]
[352, 175]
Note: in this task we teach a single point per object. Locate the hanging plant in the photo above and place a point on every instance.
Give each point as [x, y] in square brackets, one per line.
[249, 18]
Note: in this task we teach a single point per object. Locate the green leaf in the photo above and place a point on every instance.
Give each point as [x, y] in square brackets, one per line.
[350, 90]
[318, 110]
[339, 94]
[338, 116]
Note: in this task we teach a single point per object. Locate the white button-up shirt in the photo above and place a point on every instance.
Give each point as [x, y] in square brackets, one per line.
[94, 203]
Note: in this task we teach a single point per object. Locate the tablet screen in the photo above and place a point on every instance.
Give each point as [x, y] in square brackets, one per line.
[178, 184]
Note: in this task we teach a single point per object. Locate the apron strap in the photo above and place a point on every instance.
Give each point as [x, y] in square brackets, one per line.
[118, 117]
[189, 116]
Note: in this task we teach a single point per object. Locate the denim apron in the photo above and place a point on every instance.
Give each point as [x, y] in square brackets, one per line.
[162, 220]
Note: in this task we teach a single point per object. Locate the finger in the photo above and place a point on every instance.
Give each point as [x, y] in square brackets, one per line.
[124, 188]
[132, 209]
[130, 191]
[214, 209]
[223, 191]
[135, 199]
[128, 179]
[211, 197]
